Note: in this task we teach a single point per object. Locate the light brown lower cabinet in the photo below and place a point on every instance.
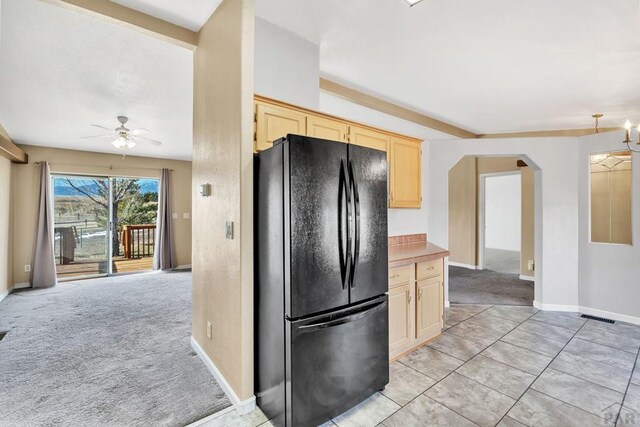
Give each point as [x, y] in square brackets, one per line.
[416, 305]
[401, 313]
[429, 307]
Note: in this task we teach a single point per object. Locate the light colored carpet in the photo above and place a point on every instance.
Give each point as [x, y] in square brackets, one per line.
[488, 287]
[104, 352]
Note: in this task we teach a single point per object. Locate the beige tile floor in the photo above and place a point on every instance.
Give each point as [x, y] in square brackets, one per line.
[505, 366]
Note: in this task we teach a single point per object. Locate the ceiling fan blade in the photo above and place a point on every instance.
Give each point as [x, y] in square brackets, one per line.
[144, 138]
[139, 131]
[102, 127]
[97, 136]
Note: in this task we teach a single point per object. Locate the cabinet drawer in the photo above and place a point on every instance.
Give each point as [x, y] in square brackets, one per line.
[399, 275]
[428, 269]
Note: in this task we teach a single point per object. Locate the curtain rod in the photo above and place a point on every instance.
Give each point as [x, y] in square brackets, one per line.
[111, 167]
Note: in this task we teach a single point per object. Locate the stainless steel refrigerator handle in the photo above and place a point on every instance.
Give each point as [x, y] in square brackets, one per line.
[343, 186]
[356, 199]
[345, 319]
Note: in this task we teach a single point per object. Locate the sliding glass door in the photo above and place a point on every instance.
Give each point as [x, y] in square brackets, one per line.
[134, 214]
[104, 225]
[81, 224]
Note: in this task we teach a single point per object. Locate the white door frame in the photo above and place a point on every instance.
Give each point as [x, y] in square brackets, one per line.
[482, 210]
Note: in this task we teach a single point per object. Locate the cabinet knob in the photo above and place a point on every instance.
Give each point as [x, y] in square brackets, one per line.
[395, 276]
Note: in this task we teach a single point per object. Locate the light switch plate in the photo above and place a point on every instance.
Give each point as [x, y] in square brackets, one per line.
[186, 215]
[209, 330]
[228, 229]
[174, 215]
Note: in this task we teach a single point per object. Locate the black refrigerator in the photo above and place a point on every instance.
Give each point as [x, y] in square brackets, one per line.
[321, 313]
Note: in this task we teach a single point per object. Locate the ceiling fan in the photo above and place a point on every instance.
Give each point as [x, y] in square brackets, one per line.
[123, 136]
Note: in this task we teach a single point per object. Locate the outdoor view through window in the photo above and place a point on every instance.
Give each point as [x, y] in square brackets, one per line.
[104, 225]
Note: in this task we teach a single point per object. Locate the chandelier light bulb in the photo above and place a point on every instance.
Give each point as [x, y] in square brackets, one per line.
[627, 125]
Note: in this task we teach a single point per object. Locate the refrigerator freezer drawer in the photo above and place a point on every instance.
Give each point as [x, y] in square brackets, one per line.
[336, 361]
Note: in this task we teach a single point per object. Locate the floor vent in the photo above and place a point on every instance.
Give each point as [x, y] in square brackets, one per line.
[2, 334]
[599, 319]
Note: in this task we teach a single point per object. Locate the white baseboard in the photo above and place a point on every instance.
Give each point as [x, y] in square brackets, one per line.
[211, 417]
[459, 264]
[556, 307]
[529, 278]
[610, 315]
[588, 310]
[6, 293]
[242, 406]
[182, 267]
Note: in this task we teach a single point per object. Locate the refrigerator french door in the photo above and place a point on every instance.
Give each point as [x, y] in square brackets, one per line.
[321, 278]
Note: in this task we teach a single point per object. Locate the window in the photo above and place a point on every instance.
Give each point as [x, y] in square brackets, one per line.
[611, 197]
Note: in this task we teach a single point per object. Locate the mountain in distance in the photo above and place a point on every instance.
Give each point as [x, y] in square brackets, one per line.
[62, 188]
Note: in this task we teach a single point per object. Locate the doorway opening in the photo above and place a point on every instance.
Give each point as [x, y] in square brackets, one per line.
[491, 231]
[103, 225]
[499, 222]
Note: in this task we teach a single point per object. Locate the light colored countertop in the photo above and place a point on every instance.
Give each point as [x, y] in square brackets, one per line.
[414, 252]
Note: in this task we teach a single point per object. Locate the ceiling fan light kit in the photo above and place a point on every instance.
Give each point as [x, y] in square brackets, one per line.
[125, 137]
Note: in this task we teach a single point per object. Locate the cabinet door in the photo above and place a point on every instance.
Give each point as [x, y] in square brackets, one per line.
[400, 318]
[405, 173]
[368, 138]
[274, 122]
[429, 307]
[320, 127]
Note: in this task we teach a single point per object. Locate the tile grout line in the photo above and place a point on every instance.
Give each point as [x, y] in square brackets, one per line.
[464, 363]
[515, 400]
[624, 397]
[436, 381]
[543, 371]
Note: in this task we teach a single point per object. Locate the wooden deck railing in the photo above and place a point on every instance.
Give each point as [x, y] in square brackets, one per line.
[138, 240]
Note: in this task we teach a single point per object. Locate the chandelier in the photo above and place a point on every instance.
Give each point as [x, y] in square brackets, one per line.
[627, 136]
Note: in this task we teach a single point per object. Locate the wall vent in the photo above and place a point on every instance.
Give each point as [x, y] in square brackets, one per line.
[599, 319]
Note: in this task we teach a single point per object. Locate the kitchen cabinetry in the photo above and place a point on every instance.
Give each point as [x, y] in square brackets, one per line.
[320, 127]
[416, 305]
[405, 177]
[273, 122]
[368, 138]
[275, 119]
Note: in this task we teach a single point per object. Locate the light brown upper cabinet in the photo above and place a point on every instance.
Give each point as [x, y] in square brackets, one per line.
[405, 173]
[368, 138]
[321, 127]
[273, 122]
[275, 119]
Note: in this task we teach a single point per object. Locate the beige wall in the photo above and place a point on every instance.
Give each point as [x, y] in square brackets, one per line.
[25, 187]
[462, 211]
[222, 157]
[6, 231]
[463, 208]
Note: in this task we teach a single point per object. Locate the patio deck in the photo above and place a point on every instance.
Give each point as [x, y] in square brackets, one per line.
[90, 268]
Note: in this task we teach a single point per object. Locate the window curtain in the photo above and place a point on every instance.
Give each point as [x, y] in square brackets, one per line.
[164, 256]
[43, 271]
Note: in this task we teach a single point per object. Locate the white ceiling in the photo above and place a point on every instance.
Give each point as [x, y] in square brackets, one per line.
[62, 70]
[191, 14]
[488, 66]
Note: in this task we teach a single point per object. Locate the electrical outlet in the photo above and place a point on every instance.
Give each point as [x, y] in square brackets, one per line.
[531, 265]
[186, 215]
[27, 268]
[209, 330]
[174, 215]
